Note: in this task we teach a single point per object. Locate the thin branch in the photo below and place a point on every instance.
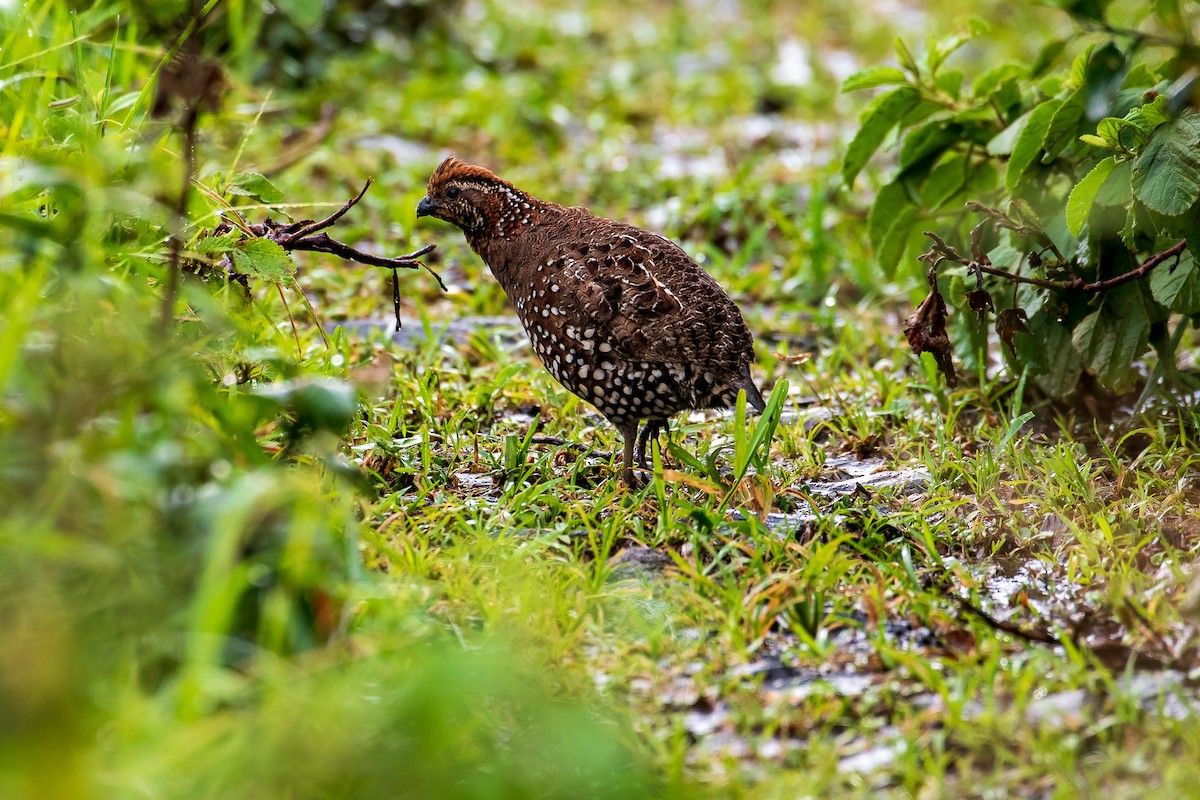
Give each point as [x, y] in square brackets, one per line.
[308, 230]
[188, 124]
[940, 251]
[1146, 266]
[1039, 637]
[291, 321]
[311, 310]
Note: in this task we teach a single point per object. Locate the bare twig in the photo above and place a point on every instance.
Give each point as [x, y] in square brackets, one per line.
[330, 220]
[188, 124]
[940, 252]
[1029, 635]
[291, 321]
[306, 235]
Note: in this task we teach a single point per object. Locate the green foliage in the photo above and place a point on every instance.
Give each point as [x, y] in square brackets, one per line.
[241, 558]
[182, 568]
[1101, 165]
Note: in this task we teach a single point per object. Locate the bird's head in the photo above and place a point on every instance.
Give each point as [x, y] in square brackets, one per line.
[471, 197]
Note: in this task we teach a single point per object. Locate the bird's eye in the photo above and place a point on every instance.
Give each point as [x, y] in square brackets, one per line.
[452, 192]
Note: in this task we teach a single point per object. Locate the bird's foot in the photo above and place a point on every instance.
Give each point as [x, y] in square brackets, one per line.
[634, 479]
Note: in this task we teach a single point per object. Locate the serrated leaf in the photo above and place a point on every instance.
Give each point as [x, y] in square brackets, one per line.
[263, 259]
[873, 77]
[1177, 286]
[1079, 66]
[211, 245]
[1166, 175]
[1096, 141]
[1049, 346]
[1110, 129]
[1079, 204]
[877, 121]
[1111, 338]
[252, 184]
[1029, 142]
[1116, 190]
[1149, 116]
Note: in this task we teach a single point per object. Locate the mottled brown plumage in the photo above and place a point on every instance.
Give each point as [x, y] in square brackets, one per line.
[622, 317]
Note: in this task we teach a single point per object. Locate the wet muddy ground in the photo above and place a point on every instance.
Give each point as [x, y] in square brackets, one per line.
[1029, 596]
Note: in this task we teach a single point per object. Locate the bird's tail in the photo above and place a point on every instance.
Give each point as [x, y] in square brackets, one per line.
[754, 397]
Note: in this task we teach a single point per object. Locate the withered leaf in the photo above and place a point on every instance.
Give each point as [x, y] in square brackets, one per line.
[926, 331]
[1010, 322]
[981, 303]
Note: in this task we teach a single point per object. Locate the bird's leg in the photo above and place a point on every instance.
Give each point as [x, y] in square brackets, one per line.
[629, 434]
[649, 432]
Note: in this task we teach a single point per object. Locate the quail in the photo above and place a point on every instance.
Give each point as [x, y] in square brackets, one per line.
[622, 317]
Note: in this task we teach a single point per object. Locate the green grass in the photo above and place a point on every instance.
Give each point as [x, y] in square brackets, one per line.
[239, 561]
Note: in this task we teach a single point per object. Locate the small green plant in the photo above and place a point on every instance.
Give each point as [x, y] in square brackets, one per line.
[1061, 202]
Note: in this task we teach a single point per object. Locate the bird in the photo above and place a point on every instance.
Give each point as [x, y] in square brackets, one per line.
[622, 317]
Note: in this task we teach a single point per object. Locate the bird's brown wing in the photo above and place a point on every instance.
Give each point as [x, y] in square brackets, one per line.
[654, 302]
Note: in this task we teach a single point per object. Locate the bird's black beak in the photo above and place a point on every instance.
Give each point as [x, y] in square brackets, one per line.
[427, 208]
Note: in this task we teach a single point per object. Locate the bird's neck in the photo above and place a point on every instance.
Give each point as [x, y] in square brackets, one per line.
[510, 214]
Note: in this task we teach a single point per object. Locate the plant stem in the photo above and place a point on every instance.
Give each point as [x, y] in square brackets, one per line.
[188, 124]
[944, 252]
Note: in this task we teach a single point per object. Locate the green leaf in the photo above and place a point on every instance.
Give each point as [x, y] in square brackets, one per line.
[950, 82]
[892, 201]
[875, 76]
[1079, 204]
[877, 121]
[307, 14]
[891, 221]
[986, 83]
[1177, 286]
[891, 249]
[1079, 67]
[1096, 141]
[905, 57]
[1116, 190]
[1002, 143]
[1092, 10]
[928, 141]
[946, 180]
[1166, 175]
[1149, 116]
[263, 259]
[1029, 141]
[1064, 125]
[1109, 130]
[1111, 338]
[1046, 57]
[251, 184]
[1049, 347]
[212, 245]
